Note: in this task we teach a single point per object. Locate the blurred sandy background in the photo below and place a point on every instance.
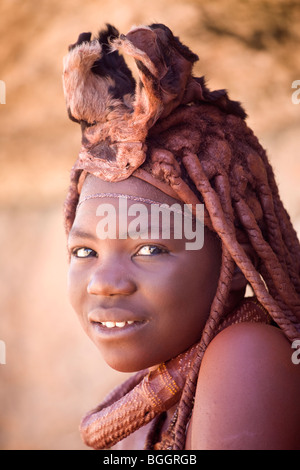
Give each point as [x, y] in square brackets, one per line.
[53, 374]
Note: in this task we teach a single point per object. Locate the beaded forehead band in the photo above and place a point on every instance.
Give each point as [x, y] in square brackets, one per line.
[173, 208]
[120, 196]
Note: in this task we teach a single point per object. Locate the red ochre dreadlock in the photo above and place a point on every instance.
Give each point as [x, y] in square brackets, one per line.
[197, 141]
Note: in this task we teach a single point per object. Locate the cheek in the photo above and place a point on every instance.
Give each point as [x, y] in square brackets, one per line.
[192, 291]
[76, 290]
[182, 300]
[194, 284]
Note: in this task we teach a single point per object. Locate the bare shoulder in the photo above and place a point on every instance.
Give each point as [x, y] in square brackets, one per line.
[248, 390]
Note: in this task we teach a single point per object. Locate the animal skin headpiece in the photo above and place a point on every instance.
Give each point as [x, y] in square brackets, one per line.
[114, 111]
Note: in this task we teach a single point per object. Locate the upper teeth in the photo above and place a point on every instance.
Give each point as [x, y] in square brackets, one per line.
[119, 324]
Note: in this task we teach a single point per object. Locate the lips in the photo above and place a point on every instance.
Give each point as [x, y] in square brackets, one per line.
[114, 318]
[117, 324]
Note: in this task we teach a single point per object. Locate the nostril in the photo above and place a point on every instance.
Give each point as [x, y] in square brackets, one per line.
[110, 284]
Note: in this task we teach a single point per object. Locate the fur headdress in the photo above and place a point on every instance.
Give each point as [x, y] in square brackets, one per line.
[114, 111]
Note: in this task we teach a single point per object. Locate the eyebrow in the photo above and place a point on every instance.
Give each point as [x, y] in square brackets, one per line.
[78, 233]
[145, 232]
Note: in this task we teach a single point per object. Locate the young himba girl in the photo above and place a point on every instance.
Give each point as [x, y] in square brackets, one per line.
[214, 367]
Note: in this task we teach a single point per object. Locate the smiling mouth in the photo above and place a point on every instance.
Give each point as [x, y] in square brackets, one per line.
[114, 319]
[116, 324]
[118, 329]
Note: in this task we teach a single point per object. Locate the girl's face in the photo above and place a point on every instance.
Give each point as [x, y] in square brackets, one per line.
[141, 301]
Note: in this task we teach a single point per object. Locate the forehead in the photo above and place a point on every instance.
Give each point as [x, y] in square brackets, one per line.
[156, 215]
[131, 186]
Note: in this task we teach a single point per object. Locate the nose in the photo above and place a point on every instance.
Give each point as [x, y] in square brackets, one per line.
[111, 280]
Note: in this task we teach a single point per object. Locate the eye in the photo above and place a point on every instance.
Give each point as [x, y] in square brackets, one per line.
[150, 250]
[83, 252]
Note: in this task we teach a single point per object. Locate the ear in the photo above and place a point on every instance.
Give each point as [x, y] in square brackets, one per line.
[239, 282]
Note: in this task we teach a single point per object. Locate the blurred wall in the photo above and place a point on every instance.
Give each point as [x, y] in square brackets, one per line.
[53, 374]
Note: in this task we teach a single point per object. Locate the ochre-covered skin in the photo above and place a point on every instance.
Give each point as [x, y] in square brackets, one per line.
[171, 127]
[148, 394]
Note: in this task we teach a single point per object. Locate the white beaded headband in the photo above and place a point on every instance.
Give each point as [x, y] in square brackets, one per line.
[132, 198]
[118, 195]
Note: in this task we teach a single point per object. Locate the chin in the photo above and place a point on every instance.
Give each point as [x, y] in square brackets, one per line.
[129, 365]
[120, 366]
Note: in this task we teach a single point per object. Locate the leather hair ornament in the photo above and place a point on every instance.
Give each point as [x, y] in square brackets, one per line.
[114, 111]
